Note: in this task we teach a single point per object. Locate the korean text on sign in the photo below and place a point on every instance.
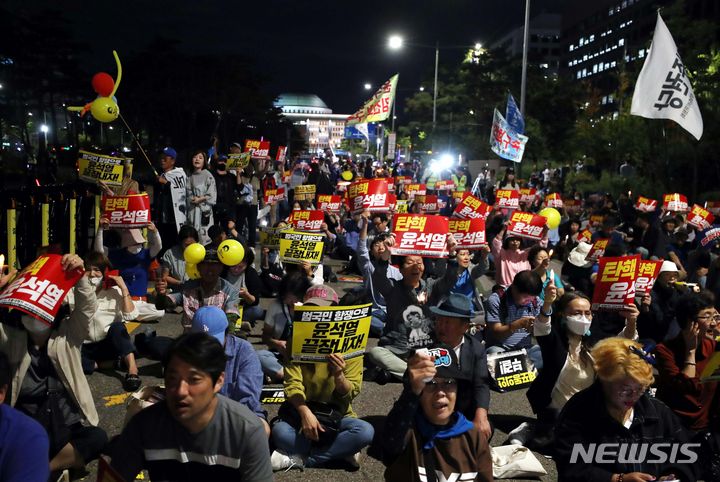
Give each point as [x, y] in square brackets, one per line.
[40, 288]
[469, 233]
[428, 203]
[270, 238]
[597, 250]
[272, 196]
[526, 225]
[648, 271]
[328, 203]
[507, 199]
[320, 331]
[615, 283]
[238, 161]
[305, 192]
[257, 148]
[307, 220]
[700, 217]
[422, 235]
[554, 200]
[472, 208]
[504, 141]
[510, 369]
[369, 194]
[646, 205]
[528, 195]
[414, 189]
[131, 211]
[297, 247]
[676, 203]
[93, 167]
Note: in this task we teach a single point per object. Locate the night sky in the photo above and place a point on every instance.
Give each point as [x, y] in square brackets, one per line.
[327, 47]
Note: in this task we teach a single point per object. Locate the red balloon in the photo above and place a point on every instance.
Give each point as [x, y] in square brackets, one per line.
[103, 84]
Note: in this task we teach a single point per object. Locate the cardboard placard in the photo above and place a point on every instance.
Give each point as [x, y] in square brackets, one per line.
[306, 192]
[526, 225]
[648, 271]
[700, 217]
[94, 167]
[598, 250]
[414, 189]
[281, 151]
[257, 148]
[428, 203]
[507, 199]
[272, 196]
[676, 203]
[319, 331]
[238, 161]
[328, 203]
[528, 195]
[469, 233]
[272, 395]
[646, 205]
[511, 370]
[131, 211]
[710, 236]
[459, 195]
[370, 194]
[403, 180]
[444, 185]
[270, 238]
[296, 247]
[420, 234]
[401, 206]
[309, 220]
[471, 207]
[392, 201]
[615, 283]
[40, 289]
[554, 200]
[585, 236]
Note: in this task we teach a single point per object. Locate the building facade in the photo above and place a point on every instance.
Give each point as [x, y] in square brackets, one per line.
[314, 119]
[544, 48]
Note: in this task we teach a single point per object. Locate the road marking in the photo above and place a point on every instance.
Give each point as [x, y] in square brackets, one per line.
[112, 400]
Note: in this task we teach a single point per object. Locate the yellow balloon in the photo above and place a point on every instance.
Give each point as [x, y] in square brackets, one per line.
[104, 109]
[553, 217]
[192, 271]
[346, 175]
[230, 252]
[194, 253]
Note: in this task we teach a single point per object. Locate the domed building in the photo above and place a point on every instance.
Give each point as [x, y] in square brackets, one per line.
[321, 128]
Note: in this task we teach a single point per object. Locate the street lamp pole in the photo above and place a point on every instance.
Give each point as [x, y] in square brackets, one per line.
[526, 37]
[435, 87]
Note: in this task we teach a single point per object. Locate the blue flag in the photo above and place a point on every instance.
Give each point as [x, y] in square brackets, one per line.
[513, 116]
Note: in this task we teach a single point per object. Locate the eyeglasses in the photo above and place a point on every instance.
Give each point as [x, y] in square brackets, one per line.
[444, 385]
[709, 317]
[631, 392]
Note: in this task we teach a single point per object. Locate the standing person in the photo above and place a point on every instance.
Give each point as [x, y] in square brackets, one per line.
[248, 184]
[225, 184]
[196, 434]
[163, 204]
[508, 181]
[201, 196]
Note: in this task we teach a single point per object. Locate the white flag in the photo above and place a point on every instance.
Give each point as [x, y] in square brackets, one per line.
[663, 90]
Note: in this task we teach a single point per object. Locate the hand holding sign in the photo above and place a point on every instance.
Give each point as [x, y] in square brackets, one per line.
[421, 367]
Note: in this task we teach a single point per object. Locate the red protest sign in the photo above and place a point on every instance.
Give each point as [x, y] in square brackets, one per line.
[459, 195]
[571, 203]
[596, 219]
[272, 196]
[40, 288]
[257, 148]
[413, 189]
[444, 185]
[392, 201]
[675, 202]
[648, 271]
[527, 195]
[700, 217]
[307, 220]
[526, 225]
[597, 250]
[472, 208]
[554, 201]
[421, 235]
[428, 203]
[391, 184]
[281, 151]
[131, 211]
[370, 194]
[403, 180]
[713, 207]
[469, 233]
[646, 205]
[585, 236]
[615, 283]
[327, 203]
[507, 199]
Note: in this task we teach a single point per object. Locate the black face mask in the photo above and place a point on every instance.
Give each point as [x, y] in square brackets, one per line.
[221, 167]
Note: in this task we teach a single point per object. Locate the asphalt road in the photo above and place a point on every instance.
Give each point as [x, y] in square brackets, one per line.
[507, 410]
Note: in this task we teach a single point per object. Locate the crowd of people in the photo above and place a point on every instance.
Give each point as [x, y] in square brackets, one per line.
[622, 376]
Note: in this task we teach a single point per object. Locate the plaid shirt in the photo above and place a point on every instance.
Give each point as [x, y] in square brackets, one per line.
[192, 297]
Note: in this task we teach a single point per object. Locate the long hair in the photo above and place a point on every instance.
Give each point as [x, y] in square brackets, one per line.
[558, 324]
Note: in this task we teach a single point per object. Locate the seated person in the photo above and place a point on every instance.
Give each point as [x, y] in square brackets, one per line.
[424, 431]
[133, 261]
[657, 311]
[173, 260]
[108, 338]
[615, 409]
[271, 272]
[247, 281]
[47, 357]
[243, 374]
[196, 434]
[209, 290]
[300, 439]
[511, 314]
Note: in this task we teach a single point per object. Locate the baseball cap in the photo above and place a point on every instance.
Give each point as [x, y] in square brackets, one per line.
[211, 256]
[210, 320]
[236, 144]
[321, 296]
[169, 151]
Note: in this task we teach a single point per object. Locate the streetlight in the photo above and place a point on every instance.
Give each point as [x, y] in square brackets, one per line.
[44, 129]
[395, 42]
[478, 46]
[422, 89]
[368, 86]
[1, 86]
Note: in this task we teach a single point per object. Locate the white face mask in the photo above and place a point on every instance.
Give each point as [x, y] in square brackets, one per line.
[95, 281]
[578, 324]
[35, 326]
[135, 249]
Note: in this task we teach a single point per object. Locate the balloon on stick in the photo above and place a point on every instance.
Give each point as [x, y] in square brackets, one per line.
[194, 253]
[231, 252]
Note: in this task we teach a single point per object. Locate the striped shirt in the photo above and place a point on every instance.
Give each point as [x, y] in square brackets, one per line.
[511, 312]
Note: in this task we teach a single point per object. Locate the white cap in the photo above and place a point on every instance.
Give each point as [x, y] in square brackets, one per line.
[669, 266]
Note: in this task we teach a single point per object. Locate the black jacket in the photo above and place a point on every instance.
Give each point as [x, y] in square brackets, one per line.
[656, 323]
[473, 363]
[585, 420]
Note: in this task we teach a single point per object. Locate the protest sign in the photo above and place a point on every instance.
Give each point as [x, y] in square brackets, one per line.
[675, 202]
[472, 208]
[572, 203]
[526, 225]
[238, 161]
[527, 195]
[504, 141]
[307, 220]
[403, 180]
[444, 185]
[328, 203]
[178, 180]
[700, 217]
[597, 250]
[305, 192]
[428, 203]
[401, 206]
[370, 194]
[469, 233]
[615, 283]
[713, 207]
[319, 331]
[286, 177]
[378, 107]
[419, 234]
[711, 372]
[297, 247]
[413, 189]
[391, 183]
[272, 395]
[459, 195]
[648, 271]
[281, 151]
[272, 196]
[709, 236]
[40, 289]
[585, 236]
[392, 202]
[270, 238]
[131, 211]
[507, 199]
[93, 167]
[646, 205]
[257, 148]
[554, 200]
[511, 370]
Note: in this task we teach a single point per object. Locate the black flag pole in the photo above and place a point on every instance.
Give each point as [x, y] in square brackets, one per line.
[137, 141]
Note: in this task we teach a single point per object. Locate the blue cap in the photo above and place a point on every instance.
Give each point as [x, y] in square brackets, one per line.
[169, 151]
[210, 320]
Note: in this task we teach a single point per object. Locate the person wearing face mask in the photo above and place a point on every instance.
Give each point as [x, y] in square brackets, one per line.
[565, 344]
[133, 261]
[46, 358]
[201, 196]
[247, 281]
[225, 184]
